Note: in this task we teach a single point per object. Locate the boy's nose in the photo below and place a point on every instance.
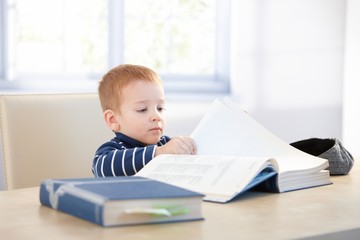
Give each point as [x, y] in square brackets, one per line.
[155, 116]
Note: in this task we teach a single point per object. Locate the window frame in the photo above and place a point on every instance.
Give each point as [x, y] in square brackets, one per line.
[3, 39]
[217, 83]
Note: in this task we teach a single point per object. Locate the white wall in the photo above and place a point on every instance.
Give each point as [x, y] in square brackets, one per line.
[351, 109]
[287, 64]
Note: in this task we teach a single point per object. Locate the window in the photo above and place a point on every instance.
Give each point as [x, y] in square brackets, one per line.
[58, 38]
[186, 41]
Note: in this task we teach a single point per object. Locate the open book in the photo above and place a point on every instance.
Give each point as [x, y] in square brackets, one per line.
[235, 154]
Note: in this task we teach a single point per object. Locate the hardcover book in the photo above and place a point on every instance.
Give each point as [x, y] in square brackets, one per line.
[116, 201]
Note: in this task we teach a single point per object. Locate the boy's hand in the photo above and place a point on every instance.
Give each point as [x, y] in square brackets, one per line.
[177, 145]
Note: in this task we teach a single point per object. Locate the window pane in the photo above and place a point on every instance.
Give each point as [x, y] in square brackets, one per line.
[171, 36]
[82, 39]
[59, 37]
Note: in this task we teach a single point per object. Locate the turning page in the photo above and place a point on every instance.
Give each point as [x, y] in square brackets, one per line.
[227, 130]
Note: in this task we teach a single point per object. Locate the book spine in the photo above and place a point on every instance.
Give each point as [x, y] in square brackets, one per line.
[71, 204]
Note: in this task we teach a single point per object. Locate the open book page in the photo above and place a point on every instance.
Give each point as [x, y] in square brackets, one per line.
[227, 130]
[220, 178]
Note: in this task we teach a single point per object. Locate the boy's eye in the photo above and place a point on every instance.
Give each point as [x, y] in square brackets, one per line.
[161, 108]
[141, 110]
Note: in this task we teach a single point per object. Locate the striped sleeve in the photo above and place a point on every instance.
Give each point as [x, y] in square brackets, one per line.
[111, 161]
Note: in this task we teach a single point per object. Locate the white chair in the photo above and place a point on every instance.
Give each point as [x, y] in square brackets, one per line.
[48, 136]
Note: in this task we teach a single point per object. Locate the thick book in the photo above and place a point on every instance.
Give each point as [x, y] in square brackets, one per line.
[117, 201]
[234, 154]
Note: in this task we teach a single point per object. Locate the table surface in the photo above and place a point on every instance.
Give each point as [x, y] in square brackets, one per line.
[332, 209]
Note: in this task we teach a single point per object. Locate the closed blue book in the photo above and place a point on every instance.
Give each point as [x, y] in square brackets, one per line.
[116, 201]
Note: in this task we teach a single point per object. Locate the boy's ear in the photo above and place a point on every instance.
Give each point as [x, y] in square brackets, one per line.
[111, 121]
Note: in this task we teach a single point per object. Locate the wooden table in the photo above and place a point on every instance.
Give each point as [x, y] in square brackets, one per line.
[320, 213]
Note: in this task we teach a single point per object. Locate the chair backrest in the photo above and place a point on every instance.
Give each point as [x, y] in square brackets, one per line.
[48, 136]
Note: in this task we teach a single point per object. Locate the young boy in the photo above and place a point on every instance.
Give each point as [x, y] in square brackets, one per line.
[133, 102]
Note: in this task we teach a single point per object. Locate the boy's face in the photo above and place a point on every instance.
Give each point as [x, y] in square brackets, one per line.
[142, 114]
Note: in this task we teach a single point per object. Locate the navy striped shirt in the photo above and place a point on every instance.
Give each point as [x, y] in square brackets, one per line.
[123, 156]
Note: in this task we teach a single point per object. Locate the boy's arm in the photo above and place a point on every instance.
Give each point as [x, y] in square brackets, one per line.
[112, 161]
